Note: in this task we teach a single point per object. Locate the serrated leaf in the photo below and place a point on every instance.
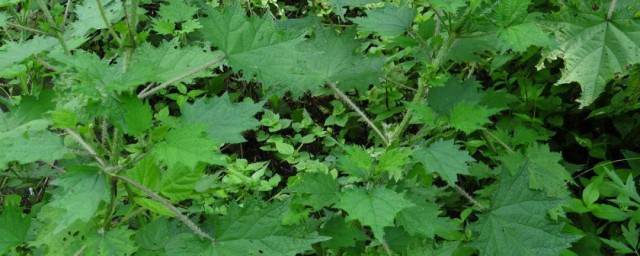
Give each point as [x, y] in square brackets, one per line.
[393, 162]
[516, 28]
[341, 233]
[444, 158]
[147, 173]
[340, 5]
[376, 208]
[355, 162]
[29, 142]
[132, 115]
[114, 242]
[15, 52]
[186, 145]
[80, 195]
[443, 99]
[176, 11]
[178, 182]
[15, 226]
[468, 117]
[543, 167]
[89, 16]
[517, 223]
[155, 235]
[387, 21]
[257, 230]
[322, 189]
[423, 220]
[595, 49]
[222, 119]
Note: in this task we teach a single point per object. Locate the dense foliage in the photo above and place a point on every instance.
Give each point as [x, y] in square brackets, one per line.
[320, 127]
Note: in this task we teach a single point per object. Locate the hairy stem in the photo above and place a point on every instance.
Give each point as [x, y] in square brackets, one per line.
[194, 71]
[469, 197]
[107, 23]
[487, 132]
[612, 6]
[106, 169]
[364, 117]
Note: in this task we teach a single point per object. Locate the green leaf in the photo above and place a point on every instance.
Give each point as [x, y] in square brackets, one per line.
[594, 49]
[252, 230]
[132, 115]
[176, 11]
[543, 167]
[146, 173]
[394, 162]
[15, 52]
[155, 235]
[516, 28]
[470, 117]
[79, 196]
[222, 119]
[259, 48]
[89, 17]
[337, 63]
[443, 99]
[376, 208]
[387, 21]
[355, 162]
[186, 145]
[15, 226]
[423, 220]
[444, 158]
[341, 233]
[116, 241]
[322, 189]
[340, 5]
[517, 223]
[178, 182]
[28, 143]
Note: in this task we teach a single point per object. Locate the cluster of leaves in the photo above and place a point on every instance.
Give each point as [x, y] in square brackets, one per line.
[360, 127]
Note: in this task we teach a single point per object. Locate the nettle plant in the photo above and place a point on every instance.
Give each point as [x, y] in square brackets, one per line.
[417, 127]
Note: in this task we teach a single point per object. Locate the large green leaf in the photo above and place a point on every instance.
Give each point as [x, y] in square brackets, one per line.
[222, 119]
[186, 145]
[517, 29]
[322, 190]
[596, 50]
[28, 143]
[376, 208]
[15, 226]
[444, 158]
[518, 223]
[387, 21]
[178, 182]
[117, 241]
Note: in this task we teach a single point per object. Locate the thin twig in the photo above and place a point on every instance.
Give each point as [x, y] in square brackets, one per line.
[469, 197]
[194, 71]
[147, 191]
[45, 64]
[499, 141]
[353, 106]
[612, 6]
[108, 23]
[66, 13]
[27, 28]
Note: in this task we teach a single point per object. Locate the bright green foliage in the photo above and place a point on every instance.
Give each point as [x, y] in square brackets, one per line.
[342, 234]
[80, 195]
[469, 117]
[443, 99]
[356, 162]
[28, 143]
[147, 173]
[258, 48]
[132, 115]
[518, 222]
[222, 119]
[13, 52]
[545, 173]
[387, 21]
[587, 37]
[321, 190]
[423, 220]
[154, 236]
[393, 162]
[178, 181]
[444, 158]
[517, 29]
[337, 63]
[257, 230]
[89, 16]
[376, 208]
[186, 145]
[14, 229]
[173, 13]
[117, 241]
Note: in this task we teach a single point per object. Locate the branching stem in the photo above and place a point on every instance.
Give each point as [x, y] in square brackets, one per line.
[364, 117]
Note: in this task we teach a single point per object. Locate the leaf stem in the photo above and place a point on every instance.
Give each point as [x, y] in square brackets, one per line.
[353, 106]
[106, 169]
[469, 197]
[53, 24]
[487, 132]
[146, 93]
[612, 6]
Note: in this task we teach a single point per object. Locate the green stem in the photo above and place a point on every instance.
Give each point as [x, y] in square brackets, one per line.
[612, 6]
[366, 119]
[107, 23]
[53, 24]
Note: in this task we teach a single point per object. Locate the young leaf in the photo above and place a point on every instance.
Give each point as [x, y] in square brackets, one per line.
[186, 145]
[517, 223]
[468, 117]
[15, 52]
[89, 17]
[595, 49]
[222, 119]
[393, 162]
[444, 158]
[178, 181]
[356, 162]
[516, 28]
[376, 208]
[387, 21]
[28, 143]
